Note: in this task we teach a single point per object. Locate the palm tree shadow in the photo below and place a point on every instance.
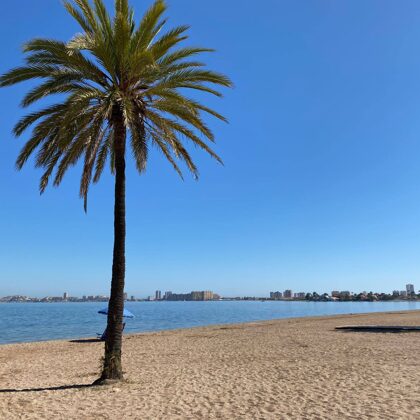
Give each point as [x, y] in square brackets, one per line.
[52, 388]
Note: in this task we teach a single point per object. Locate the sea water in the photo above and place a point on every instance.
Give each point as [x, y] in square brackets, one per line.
[24, 322]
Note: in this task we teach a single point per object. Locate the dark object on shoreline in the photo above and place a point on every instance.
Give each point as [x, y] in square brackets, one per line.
[86, 340]
[379, 328]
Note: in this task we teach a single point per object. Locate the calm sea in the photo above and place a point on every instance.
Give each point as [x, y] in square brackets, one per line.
[22, 322]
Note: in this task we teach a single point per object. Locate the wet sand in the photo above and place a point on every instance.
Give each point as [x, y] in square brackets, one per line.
[286, 369]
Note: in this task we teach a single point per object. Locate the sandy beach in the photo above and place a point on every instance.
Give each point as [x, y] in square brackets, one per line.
[286, 369]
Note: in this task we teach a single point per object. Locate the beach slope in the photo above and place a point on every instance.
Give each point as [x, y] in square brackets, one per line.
[286, 369]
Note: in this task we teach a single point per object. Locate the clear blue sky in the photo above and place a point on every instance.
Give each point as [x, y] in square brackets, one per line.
[321, 184]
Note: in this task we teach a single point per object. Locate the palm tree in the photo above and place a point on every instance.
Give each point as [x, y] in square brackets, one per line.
[115, 79]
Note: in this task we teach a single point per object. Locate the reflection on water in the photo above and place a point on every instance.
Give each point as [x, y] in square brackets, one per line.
[21, 322]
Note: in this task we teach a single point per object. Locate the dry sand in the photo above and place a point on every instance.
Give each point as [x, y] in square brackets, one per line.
[286, 369]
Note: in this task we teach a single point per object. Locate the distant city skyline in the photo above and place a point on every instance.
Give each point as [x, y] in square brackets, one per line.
[408, 293]
[320, 188]
[288, 293]
[151, 293]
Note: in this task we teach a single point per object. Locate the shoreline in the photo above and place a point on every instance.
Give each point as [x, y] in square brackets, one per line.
[309, 318]
[288, 368]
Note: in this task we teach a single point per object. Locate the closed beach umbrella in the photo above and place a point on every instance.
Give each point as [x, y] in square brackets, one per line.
[126, 313]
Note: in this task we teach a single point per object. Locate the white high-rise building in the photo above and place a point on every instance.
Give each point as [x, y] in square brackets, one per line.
[287, 294]
[410, 289]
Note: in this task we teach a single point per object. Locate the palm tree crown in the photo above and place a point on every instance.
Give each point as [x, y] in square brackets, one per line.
[113, 70]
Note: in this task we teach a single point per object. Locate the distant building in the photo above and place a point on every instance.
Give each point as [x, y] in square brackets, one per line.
[65, 296]
[410, 289]
[202, 295]
[125, 296]
[300, 295]
[133, 298]
[395, 293]
[158, 295]
[179, 296]
[287, 294]
[196, 295]
[276, 295]
[167, 295]
[403, 293]
[335, 294]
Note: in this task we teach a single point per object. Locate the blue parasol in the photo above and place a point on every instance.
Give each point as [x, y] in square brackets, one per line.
[126, 313]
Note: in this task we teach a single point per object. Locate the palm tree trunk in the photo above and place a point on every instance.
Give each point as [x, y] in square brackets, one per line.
[112, 368]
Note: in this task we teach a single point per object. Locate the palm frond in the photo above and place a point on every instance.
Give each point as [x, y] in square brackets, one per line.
[86, 21]
[103, 154]
[149, 26]
[167, 41]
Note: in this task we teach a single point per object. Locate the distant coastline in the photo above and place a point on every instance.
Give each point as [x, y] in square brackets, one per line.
[7, 299]
[408, 294]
